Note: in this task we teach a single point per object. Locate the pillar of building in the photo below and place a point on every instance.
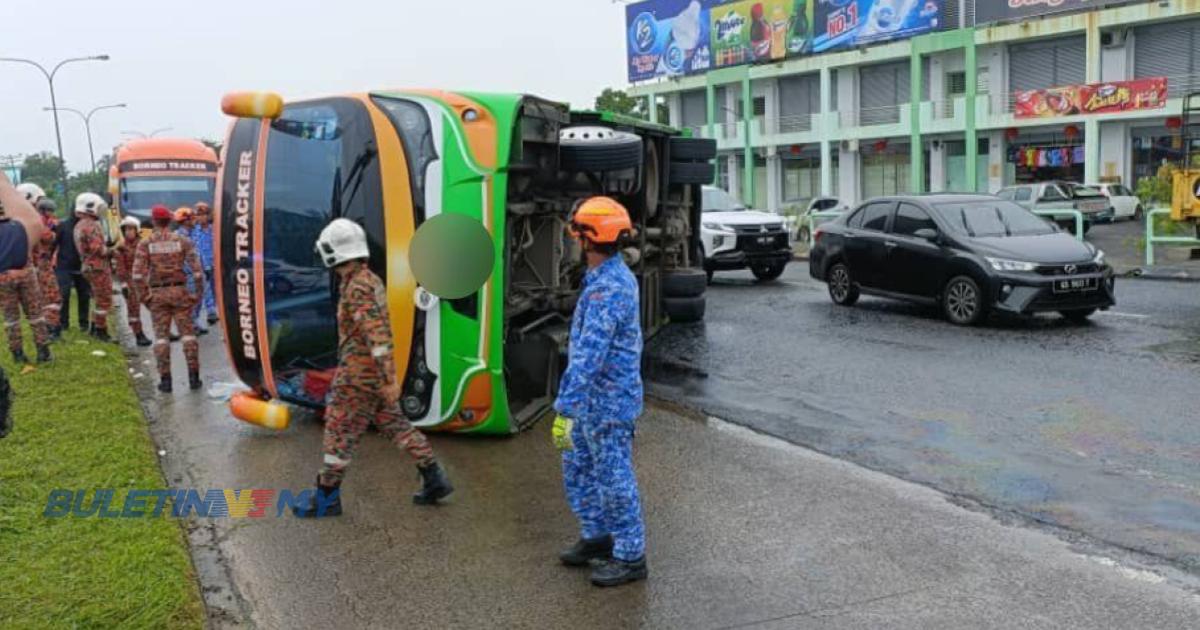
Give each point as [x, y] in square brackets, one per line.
[774, 180]
[825, 130]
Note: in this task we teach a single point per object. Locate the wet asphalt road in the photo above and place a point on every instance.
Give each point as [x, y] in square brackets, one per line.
[1089, 428]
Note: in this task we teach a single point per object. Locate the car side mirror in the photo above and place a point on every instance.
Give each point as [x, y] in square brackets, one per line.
[927, 234]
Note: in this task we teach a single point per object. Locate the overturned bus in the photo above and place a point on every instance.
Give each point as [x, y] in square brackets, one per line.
[483, 361]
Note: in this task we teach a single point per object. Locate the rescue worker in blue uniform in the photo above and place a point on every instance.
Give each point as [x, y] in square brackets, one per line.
[600, 398]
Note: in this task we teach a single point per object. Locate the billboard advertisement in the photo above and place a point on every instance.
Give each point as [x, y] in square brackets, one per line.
[667, 38]
[1094, 98]
[841, 24]
[1001, 10]
[755, 31]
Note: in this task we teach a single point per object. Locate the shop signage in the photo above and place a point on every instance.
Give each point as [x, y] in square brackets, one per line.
[1094, 98]
[1003, 10]
[666, 38]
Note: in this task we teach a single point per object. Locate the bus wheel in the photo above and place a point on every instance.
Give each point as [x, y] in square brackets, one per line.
[598, 149]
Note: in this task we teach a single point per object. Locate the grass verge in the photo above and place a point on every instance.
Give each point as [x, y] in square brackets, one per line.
[78, 426]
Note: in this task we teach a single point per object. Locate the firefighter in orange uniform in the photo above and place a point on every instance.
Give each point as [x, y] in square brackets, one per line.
[160, 282]
[124, 263]
[93, 249]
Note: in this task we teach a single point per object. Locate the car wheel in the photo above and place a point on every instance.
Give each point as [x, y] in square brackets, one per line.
[803, 235]
[693, 149]
[692, 173]
[1087, 226]
[962, 301]
[682, 310]
[841, 286]
[1079, 316]
[769, 272]
[1138, 213]
[709, 273]
[598, 149]
[684, 283]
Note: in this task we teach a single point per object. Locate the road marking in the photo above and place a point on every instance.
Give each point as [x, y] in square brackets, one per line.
[1130, 315]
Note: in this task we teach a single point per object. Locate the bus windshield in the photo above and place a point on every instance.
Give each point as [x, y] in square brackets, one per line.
[140, 194]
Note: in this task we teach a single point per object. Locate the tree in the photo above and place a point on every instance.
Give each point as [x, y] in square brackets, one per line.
[619, 102]
[42, 169]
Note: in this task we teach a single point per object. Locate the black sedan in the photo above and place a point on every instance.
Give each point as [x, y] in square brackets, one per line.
[969, 254]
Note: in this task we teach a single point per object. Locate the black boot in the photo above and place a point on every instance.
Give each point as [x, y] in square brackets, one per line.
[584, 551]
[325, 501]
[194, 379]
[434, 485]
[173, 337]
[56, 333]
[617, 572]
[143, 340]
[19, 357]
[43, 354]
[164, 384]
[102, 336]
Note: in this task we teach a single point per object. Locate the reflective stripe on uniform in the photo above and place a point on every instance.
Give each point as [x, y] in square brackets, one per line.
[334, 460]
[12, 324]
[380, 351]
[40, 320]
[162, 342]
[101, 311]
[188, 338]
[134, 319]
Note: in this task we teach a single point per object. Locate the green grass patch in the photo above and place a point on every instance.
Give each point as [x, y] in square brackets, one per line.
[78, 426]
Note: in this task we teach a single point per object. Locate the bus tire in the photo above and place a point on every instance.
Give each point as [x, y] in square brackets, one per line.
[682, 310]
[692, 173]
[598, 149]
[684, 283]
[693, 149]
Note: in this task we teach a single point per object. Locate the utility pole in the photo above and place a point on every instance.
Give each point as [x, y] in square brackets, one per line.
[49, 74]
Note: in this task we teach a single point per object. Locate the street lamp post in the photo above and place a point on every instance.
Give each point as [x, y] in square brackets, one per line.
[62, 162]
[144, 135]
[87, 123]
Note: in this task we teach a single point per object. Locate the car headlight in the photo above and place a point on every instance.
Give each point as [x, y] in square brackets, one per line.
[1001, 264]
[718, 227]
[1099, 257]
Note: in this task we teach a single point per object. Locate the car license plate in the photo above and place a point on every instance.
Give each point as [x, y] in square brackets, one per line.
[1073, 285]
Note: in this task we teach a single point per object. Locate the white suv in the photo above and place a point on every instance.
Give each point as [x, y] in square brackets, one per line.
[1125, 204]
[736, 237]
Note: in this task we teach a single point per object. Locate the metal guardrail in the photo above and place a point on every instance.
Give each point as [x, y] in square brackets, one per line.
[1152, 238]
[813, 223]
[1077, 215]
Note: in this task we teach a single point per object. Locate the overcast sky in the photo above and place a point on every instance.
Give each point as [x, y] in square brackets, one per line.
[172, 60]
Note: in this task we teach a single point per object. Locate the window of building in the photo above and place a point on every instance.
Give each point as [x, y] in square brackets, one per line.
[799, 99]
[885, 173]
[882, 89]
[1169, 50]
[693, 108]
[956, 83]
[1039, 65]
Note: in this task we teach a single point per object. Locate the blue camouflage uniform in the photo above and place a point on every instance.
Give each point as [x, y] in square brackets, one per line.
[203, 240]
[602, 392]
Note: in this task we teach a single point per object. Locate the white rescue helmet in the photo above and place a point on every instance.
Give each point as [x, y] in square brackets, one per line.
[90, 203]
[131, 222]
[31, 191]
[341, 241]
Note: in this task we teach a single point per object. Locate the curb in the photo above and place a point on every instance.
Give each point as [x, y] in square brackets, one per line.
[1160, 276]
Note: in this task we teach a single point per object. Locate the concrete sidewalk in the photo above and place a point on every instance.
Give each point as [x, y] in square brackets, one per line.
[744, 531]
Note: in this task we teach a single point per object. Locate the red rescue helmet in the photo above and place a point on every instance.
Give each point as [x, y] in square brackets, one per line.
[160, 213]
[601, 220]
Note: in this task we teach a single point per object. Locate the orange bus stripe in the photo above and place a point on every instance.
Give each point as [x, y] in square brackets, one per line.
[260, 290]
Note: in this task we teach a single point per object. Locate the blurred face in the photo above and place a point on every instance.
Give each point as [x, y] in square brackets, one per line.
[129, 232]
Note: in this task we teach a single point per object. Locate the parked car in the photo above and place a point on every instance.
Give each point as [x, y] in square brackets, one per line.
[1125, 204]
[804, 223]
[736, 237]
[1059, 195]
[969, 254]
